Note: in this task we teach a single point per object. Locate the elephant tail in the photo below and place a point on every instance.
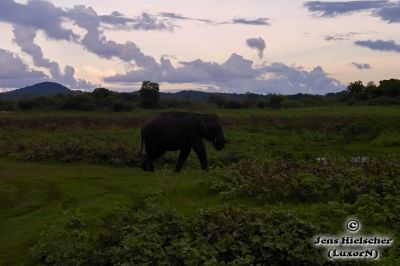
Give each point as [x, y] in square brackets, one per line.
[141, 146]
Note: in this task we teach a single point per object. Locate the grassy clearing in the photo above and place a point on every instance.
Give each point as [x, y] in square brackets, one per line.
[32, 194]
[53, 163]
[335, 110]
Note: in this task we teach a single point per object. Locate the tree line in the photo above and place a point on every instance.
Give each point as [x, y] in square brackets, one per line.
[149, 97]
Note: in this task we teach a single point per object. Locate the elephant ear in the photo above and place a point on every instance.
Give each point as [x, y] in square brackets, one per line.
[202, 124]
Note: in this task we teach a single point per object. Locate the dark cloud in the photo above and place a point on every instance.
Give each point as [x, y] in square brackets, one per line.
[24, 38]
[173, 15]
[331, 9]
[38, 14]
[380, 45]
[238, 20]
[144, 21]
[147, 22]
[258, 44]
[361, 66]
[14, 73]
[341, 36]
[390, 14]
[95, 42]
[247, 21]
[115, 18]
[384, 9]
[236, 75]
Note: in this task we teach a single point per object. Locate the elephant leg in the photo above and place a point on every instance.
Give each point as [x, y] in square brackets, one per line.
[182, 158]
[144, 165]
[198, 147]
[152, 157]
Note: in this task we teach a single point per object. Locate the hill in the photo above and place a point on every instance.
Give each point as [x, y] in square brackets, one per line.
[37, 90]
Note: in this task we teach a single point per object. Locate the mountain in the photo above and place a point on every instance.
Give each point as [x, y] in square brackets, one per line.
[37, 90]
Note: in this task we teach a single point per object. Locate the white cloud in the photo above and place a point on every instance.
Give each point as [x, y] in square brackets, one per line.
[237, 74]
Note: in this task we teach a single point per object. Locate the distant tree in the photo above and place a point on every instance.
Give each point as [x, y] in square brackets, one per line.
[102, 96]
[390, 87]
[25, 105]
[276, 101]
[233, 104]
[7, 105]
[217, 99]
[372, 90]
[262, 104]
[149, 95]
[356, 91]
[83, 102]
[120, 106]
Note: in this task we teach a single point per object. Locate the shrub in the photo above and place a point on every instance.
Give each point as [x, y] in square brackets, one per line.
[122, 107]
[276, 101]
[290, 180]
[7, 105]
[25, 105]
[155, 236]
[80, 102]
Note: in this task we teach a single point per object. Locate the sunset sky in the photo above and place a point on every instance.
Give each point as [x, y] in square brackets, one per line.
[260, 46]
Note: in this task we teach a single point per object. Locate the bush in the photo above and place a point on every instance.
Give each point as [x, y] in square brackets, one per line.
[276, 101]
[286, 180]
[80, 102]
[155, 236]
[122, 107]
[7, 105]
[25, 105]
[233, 105]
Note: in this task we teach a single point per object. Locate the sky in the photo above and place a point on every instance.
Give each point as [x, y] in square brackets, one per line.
[259, 46]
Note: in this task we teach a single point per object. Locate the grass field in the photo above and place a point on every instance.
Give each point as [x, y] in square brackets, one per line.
[54, 163]
[33, 193]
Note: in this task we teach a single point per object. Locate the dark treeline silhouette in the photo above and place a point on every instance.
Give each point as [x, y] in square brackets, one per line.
[386, 93]
[150, 97]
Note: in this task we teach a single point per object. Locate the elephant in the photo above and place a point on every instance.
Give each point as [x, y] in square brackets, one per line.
[184, 131]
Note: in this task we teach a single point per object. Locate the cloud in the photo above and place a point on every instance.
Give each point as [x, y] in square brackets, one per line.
[390, 14]
[147, 22]
[341, 36]
[95, 42]
[24, 38]
[144, 21]
[361, 66]
[386, 10]
[173, 15]
[380, 45]
[115, 18]
[38, 14]
[331, 9]
[237, 74]
[238, 20]
[14, 73]
[258, 44]
[246, 21]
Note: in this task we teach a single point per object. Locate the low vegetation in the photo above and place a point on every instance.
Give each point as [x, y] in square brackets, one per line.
[71, 191]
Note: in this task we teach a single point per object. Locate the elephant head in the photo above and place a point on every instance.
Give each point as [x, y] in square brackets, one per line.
[211, 130]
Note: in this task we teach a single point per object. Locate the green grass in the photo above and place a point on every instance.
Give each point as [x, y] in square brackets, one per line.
[31, 194]
[331, 110]
[34, 193]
